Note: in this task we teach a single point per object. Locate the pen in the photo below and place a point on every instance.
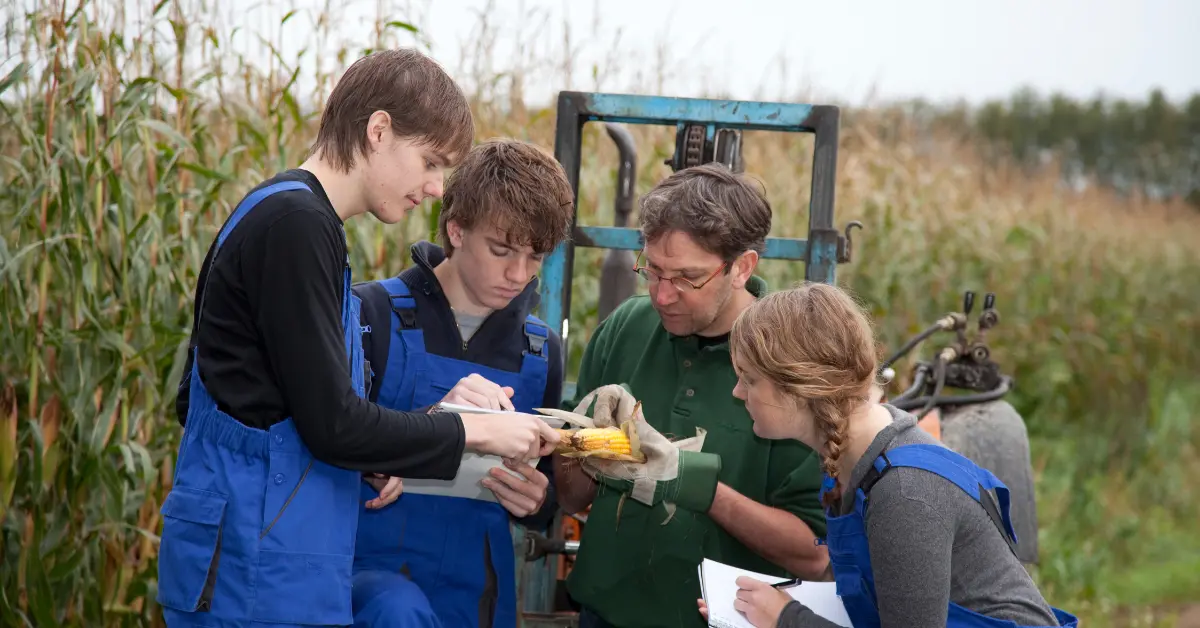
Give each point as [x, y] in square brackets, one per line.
[787, 583]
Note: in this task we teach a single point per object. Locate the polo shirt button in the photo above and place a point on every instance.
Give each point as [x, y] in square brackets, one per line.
[278, 439]
[279, 478]
[691, 392]
[687, 364]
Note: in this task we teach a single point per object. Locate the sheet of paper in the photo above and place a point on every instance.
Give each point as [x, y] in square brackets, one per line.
[473, 468]
[718, 585]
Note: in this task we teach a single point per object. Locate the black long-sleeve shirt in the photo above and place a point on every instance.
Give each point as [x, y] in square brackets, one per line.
[272, 346]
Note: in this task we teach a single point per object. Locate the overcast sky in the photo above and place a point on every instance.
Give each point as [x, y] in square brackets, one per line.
[849, 50]
[939, 49]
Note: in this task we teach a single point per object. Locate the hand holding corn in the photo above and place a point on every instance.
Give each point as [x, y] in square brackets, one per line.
[620, 449]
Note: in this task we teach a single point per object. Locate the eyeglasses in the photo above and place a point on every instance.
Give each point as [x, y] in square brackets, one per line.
[681, 284]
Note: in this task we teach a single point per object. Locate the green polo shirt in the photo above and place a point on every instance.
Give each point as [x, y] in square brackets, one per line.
[634, 570]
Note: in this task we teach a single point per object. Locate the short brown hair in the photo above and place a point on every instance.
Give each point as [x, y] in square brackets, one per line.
[716, 207]
[815, 344]
[516, 187]
[424, 103]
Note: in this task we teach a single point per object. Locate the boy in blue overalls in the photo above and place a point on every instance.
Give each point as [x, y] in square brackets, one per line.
[259, 525]
[458, 326]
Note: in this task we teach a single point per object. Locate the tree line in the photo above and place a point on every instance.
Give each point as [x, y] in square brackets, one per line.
[1149, 147]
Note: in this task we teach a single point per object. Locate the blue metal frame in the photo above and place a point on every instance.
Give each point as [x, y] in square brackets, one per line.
[819, 251]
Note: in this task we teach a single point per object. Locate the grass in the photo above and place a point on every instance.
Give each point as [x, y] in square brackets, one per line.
[126, 134]
[1120, 538]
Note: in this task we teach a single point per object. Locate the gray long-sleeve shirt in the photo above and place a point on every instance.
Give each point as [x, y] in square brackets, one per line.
[931, 544]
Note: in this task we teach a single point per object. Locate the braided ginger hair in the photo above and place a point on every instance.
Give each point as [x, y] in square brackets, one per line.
[816, 345]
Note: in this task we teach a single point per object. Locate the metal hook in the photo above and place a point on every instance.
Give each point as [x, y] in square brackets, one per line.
[846, 245]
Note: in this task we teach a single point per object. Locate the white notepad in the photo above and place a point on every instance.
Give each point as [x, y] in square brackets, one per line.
[718, 586]
[474, 467]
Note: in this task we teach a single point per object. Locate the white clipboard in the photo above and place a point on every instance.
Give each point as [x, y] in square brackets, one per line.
[718, 587]
[474, 467]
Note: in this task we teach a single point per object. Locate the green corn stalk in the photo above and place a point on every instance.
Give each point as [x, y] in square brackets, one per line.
[8, 447]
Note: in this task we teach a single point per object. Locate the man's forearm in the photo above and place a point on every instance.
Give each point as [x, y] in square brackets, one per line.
[576, 489]
[777, 535]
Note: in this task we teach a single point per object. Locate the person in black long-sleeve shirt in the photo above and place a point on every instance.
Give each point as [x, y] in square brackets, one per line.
[276, 432]
[270, 342]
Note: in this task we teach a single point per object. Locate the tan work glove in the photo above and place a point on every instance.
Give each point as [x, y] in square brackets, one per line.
[673, 472]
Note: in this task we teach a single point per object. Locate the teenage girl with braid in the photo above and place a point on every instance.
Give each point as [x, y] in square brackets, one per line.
[918, 535]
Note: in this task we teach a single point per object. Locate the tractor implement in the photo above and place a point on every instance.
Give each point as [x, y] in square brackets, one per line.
[978, 424]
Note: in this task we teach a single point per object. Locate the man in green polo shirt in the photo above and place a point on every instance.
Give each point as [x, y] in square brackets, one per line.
[749, 502]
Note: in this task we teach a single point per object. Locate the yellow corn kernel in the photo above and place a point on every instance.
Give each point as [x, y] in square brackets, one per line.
[609, 439]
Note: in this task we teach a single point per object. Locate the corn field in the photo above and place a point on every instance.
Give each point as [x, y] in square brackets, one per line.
[123, 148]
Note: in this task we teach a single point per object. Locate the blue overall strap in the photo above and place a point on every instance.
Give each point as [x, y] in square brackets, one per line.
[535, 366]
[537, 333]
[251, 201]
[406, 347]
[958, 469]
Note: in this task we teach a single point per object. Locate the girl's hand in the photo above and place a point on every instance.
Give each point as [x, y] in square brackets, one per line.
[703, 608]
[760, 602]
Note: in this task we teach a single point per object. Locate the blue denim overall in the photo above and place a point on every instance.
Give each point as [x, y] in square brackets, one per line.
[850, 555]
[256, 532]
[458, 550]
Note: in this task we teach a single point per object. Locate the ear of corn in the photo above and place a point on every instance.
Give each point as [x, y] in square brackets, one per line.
[596, 439]
[611, 443]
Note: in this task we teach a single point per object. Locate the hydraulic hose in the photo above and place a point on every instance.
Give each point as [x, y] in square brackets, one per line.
[939, 376]
[914, 341]
[918, 385]
[958, 400]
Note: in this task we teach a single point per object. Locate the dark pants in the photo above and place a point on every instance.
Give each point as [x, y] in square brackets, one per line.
[588, 619]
